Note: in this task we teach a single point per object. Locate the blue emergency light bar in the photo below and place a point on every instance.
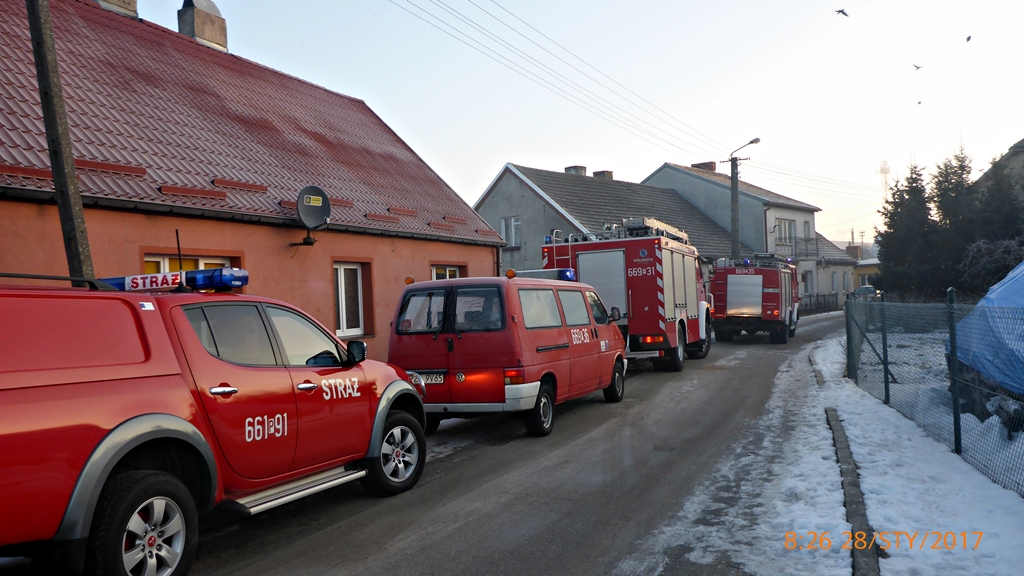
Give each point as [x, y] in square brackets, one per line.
[210, 279]
[566, 274]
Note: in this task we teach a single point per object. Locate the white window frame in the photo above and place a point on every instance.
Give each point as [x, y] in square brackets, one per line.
[340, 283]
[165, 261]
[449, 272]
[785, 230]
[510, 225]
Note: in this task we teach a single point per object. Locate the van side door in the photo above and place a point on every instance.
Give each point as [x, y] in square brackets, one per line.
[583, 343]
[545, 342]
[332, 395]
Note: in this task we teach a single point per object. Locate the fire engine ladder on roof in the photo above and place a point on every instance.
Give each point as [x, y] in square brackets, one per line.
[634, 228]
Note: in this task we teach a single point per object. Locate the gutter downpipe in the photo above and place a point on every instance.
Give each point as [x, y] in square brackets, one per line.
[767, 207]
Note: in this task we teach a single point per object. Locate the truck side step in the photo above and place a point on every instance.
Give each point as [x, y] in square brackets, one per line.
[261, 501]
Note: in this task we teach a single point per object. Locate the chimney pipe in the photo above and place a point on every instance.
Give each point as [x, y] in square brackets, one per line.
[704, 166]
[577, 170]
[604, 174]
[201, 20]
[124, 7]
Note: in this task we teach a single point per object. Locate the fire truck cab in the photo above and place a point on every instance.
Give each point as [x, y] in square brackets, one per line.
[759, 294]
[649, 270]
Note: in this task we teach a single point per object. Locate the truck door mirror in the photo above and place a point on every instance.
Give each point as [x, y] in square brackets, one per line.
[615, 315]
[356, 351]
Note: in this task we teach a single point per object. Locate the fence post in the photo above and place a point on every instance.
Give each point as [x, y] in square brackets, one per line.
[851, 365]
[954, 362]
[885, 351]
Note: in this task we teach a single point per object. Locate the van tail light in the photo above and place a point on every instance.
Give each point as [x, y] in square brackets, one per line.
[652, 339]
[515, 376]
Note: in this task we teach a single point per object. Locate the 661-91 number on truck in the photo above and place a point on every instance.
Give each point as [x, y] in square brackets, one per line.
[263, 427]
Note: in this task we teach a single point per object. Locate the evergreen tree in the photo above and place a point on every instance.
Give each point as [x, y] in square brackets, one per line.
[956, 209]
[999, 215]
[905, 247]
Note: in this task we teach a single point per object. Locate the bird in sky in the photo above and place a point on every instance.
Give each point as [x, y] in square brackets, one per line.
[968, 38]
[843, 12]
[918, 101]
[916, 67]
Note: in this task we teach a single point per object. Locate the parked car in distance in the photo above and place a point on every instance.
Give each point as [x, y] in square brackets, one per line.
[487, 345]
[124, 413]
[865, 292]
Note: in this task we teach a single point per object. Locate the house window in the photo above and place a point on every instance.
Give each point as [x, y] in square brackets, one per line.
[159, 264]
[807, 230]
[445, 272]
[510, 230]
[786, 231]
[348, 286]
[833, 281]
[846, 282]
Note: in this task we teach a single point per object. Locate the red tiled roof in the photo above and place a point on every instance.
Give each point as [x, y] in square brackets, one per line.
[149, 109]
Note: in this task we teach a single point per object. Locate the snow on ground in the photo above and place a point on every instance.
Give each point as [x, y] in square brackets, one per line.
[912, 483]
[781, 476]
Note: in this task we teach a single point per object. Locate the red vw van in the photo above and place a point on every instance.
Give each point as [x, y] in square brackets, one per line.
[485, 345]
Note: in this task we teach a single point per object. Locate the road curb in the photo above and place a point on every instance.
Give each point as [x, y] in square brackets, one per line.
[865, 562]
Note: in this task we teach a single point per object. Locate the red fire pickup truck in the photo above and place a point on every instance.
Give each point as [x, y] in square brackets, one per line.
[123, 413]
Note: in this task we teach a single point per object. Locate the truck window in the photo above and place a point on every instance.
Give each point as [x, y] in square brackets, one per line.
[597, 308]
[198, 320]
[240, 335]
[574, 307]
[539, 308]
[303, 343]
[479, 309]
[421, 312]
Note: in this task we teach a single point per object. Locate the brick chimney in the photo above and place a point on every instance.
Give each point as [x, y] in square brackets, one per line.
[577, 170]
[200, 19]
[704, 166]
[604, 174]
[853, 252]
[124, 7]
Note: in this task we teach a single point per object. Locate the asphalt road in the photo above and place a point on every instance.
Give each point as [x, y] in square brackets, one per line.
[499, 502]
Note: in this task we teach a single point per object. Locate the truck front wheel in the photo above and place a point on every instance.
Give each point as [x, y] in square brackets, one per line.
[145, 523]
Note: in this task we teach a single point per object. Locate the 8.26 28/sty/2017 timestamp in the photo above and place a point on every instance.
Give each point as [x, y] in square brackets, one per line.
[917, 540]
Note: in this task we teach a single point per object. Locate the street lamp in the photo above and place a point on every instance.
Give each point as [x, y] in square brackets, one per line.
[735, 189]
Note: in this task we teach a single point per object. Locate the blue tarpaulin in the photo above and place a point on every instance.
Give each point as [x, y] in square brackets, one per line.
[990, 339]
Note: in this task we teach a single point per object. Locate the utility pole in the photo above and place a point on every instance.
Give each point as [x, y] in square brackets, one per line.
[734, 164]
[58, 141]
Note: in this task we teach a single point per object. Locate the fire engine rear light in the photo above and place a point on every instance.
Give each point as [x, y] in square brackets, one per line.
[515, 376]
[210, 279]
[652, 339]
[776, 312]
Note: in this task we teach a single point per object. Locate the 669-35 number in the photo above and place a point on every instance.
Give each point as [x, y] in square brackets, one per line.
[263, 427]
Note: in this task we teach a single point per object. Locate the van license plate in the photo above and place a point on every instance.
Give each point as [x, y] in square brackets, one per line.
[433, 378]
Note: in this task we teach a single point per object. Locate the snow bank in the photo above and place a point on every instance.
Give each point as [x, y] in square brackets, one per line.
[913, 484]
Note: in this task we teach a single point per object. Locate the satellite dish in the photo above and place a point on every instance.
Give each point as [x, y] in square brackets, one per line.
[314, 208]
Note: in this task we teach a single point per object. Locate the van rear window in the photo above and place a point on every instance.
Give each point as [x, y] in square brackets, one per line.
[53, 333]
[539, 309]
[479, 309]
[421, 311]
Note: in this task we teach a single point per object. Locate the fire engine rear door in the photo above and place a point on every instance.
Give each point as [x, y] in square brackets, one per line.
[743, 295]
[606, 272]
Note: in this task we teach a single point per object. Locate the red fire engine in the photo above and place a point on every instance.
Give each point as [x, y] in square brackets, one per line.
[759, 294]
[650, 272]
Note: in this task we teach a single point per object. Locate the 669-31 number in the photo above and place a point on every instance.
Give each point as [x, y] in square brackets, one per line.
[263, 427]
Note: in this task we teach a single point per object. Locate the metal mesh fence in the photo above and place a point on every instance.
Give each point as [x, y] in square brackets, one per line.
[903, 354]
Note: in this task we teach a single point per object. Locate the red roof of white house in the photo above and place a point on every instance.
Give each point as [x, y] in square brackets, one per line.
[161, 122]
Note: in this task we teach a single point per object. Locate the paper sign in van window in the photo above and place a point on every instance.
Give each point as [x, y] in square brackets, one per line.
[479, 309]
[539, 308]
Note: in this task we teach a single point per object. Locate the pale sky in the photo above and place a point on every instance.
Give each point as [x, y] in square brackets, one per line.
[830, 96]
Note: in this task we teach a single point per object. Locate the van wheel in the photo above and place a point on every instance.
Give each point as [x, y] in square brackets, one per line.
[617, 388]
[403, 451]
[145, 523]
[432, 423]
[541, 419]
